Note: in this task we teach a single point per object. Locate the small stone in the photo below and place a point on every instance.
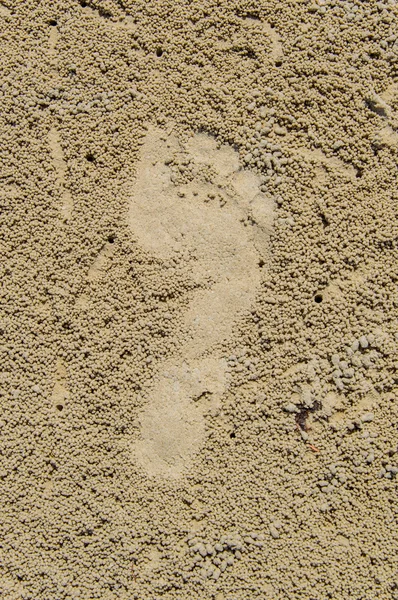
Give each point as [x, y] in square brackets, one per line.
[280, 130]
[339, 384]
[219, 547]
[209, 549]
[216, 574]
[349, 373]
[367, 417]
[273, 531]
[355, 346]
[290, 407]
[366, 362]
[392, 470]
[337, 145]
[202, 550]
[337, 374]
[363, 342]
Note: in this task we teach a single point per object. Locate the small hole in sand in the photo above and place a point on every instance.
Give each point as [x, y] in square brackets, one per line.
[53, 22]
[278, 63]
[111, 239]
[83, 4]
[159, 52]
[90, 157]
[232, 435]
[318, 298]
[261, 263]
[60, 407]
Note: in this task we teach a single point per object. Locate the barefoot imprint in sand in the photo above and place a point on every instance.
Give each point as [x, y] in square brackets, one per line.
[220, 221]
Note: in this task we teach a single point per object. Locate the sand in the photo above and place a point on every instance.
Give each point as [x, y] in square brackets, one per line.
[199, 268]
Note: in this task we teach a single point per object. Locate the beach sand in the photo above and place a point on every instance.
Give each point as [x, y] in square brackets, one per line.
[199, 265]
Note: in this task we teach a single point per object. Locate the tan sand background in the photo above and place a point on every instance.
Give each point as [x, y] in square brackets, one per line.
[198, 319]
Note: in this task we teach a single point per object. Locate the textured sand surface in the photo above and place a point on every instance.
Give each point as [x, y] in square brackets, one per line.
[199, 266]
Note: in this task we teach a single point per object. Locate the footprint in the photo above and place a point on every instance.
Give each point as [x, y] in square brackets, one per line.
[66, 207]
[194, 201]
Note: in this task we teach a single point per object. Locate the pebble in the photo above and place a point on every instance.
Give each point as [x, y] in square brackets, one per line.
[337, 145]
[367, 363]
[392, 470]
[339, 384]
[273, 531]
[280, 130]
[202, 550]
[349, 373]
[223, 566]
[216, 574]
[290, 407]
[363, 342]
[209, 549]
[367, 417]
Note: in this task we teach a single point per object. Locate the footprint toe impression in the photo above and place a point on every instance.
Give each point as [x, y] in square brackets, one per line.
[204, 220]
